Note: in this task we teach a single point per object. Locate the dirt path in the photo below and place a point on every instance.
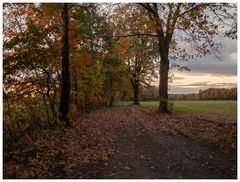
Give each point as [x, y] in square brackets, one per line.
[128, 143]
[140, 154]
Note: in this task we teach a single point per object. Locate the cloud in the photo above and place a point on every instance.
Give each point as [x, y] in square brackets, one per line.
[233, 56]
[182, 90]
[194, 88]
[193, 82]
[205, 84]
[226, 65]
[229, 45]
[208, 71]
[178, 78]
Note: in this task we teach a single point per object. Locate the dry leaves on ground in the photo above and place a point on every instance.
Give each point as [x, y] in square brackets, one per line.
[91, 137]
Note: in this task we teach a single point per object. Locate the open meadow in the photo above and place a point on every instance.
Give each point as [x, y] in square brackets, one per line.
[215, 107]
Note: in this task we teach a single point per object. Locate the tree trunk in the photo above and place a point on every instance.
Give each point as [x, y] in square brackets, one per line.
[111, 101]
[163, 87]
[5, 97]
[124, 99]
[76, 92]
[163, 72]
[65, 83]
[135, 84]
[111, 92]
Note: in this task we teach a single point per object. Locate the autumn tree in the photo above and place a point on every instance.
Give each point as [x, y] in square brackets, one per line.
[137, 52]
[31, 54]
[90, 52]
[192, 25]
[139, 62]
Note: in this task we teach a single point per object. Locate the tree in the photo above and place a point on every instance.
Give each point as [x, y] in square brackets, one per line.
[92, 74]
[197, 24]
[65, 82]
[137, 52]
[139, 57]
[31, 54]
[114, 77]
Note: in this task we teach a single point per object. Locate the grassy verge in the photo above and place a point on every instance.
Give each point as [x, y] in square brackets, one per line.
[224, 108]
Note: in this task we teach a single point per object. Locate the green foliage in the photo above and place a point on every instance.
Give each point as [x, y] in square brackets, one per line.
[23, 117]
[18, 124]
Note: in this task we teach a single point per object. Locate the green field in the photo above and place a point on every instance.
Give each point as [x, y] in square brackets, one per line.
[226, 108]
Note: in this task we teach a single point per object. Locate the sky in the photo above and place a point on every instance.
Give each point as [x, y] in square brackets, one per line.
[208, 72]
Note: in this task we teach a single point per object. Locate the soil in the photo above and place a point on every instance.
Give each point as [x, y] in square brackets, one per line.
[140, 154]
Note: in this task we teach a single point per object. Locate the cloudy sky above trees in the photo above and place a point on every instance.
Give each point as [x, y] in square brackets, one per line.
[208, 71]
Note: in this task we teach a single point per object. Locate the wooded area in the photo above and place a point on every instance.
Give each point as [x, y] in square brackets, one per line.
[64, 60]
[150, 93]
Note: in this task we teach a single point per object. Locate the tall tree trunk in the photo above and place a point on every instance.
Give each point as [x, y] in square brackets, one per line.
[65, 84]
[135, 85]
[163, 87]
[163, 72]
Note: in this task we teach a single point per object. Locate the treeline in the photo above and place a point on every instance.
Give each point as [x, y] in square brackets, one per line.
[208, 94]
[151, 93]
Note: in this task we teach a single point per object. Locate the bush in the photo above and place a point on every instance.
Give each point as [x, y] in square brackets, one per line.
[21, 119]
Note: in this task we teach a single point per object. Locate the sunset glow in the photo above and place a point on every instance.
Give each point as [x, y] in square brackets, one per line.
[208, 72]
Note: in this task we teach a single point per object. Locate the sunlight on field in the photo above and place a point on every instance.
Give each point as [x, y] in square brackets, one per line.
[227, 108]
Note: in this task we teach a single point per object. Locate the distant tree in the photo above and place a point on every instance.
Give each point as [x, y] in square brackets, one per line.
[208, 94]
[148, 93]
[139, 62]
[138, 52]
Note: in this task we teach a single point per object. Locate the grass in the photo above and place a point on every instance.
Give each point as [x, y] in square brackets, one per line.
[221, 107]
